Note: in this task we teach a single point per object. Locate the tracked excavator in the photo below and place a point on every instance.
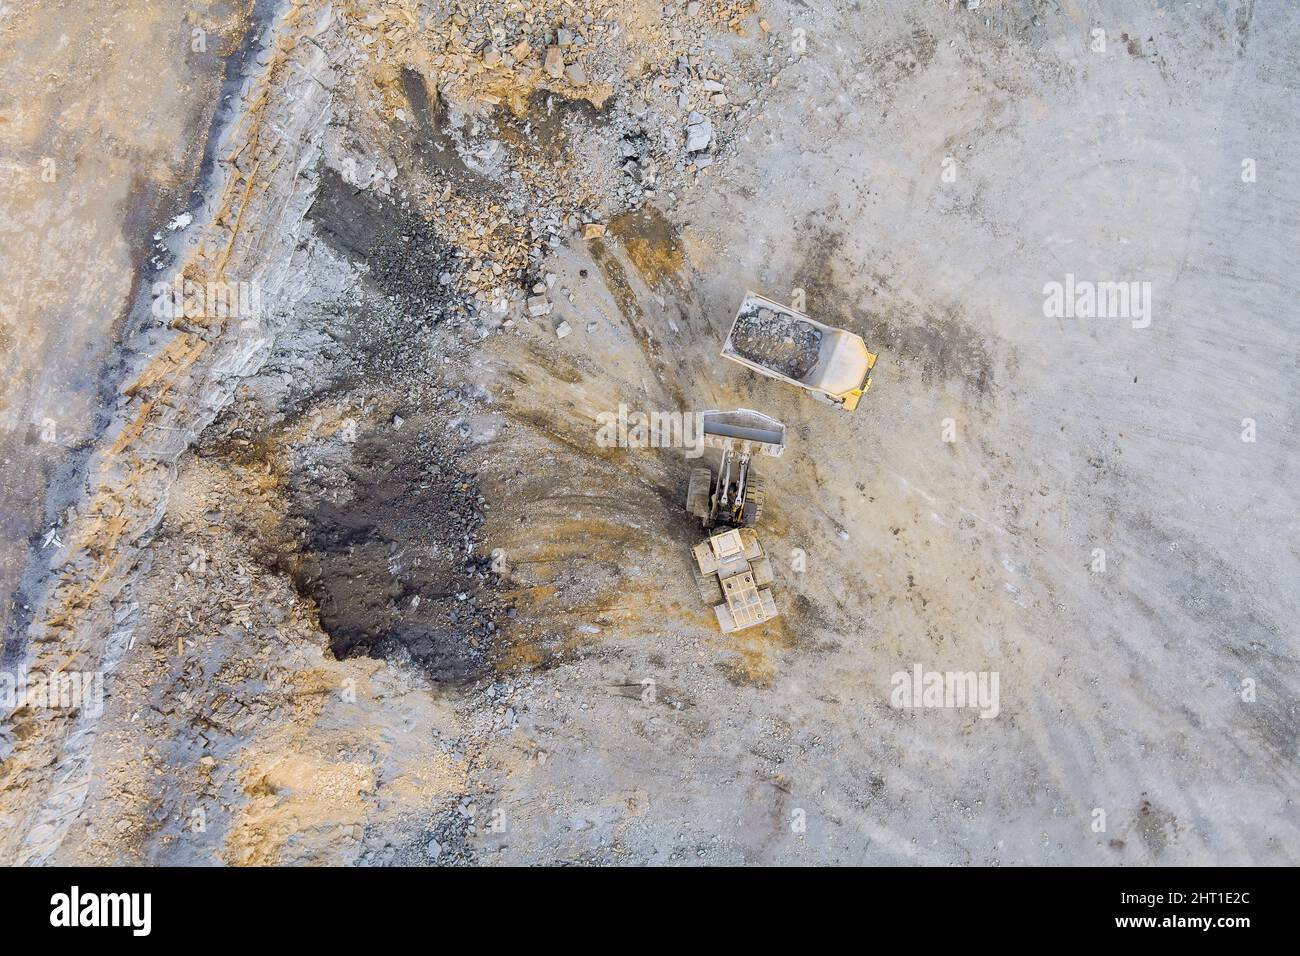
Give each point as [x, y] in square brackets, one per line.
[733, 572]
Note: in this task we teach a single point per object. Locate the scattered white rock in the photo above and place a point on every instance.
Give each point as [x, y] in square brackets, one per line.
[699, 136]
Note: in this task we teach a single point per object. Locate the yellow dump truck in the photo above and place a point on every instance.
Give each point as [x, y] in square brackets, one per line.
[774, 340]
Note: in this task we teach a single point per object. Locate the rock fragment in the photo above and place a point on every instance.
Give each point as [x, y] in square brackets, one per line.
[699, 136]
[554, 62]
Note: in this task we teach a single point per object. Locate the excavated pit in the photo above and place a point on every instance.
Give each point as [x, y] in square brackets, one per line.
[388, 552]
[377, 505]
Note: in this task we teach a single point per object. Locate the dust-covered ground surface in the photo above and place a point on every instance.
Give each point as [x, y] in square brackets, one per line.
[364, 587]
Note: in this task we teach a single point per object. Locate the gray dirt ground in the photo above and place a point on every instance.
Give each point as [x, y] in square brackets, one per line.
[90, 173]
[387, 437]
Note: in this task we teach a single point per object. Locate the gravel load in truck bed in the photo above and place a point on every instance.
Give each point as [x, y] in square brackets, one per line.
[777, 341]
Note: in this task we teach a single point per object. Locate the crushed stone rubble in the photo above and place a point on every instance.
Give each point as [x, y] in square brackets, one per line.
[778, 341]
[538, 122]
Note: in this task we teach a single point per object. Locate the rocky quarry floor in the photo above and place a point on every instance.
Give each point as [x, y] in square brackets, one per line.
[366, 589]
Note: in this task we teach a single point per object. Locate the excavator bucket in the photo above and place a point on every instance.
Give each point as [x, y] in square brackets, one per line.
[744, 430]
